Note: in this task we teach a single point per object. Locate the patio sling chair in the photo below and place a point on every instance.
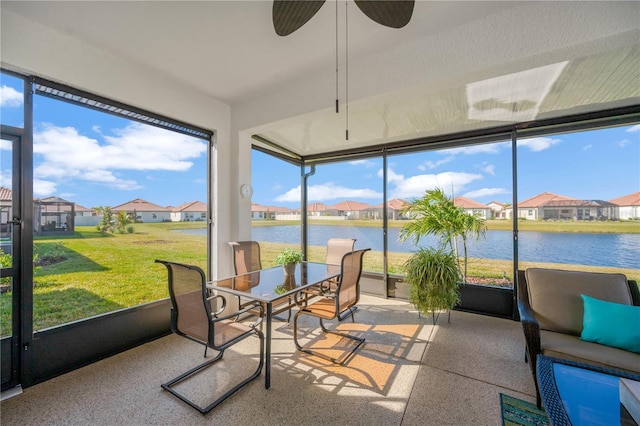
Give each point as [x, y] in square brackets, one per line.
[246, 258]
[337, 305]
[192, 317]
[336, 248]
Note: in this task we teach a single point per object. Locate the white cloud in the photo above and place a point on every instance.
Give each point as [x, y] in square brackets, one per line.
[65, 153]
[587, 147]
[5, 145]
[487, 148]
[450, 154]
[366, 163]
[43, 188]
[623, 143]
[489, 168]
[392, 177]
[328, 191]
[430, 165]
[538, 144]
[484, 192]
[415, 186]
[10, 97]
[635, 128]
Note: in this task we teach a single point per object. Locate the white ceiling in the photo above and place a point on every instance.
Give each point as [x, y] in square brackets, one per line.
[456, 66]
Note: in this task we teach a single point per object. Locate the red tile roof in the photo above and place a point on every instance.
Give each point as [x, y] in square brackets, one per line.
[540, 199]
[80, 208]
[395, 204]
[140, 205]
[627, 200]
[316, 207]
[5, 194]
[193, 206]
[466, 203]
[260, 208]
[350, 206]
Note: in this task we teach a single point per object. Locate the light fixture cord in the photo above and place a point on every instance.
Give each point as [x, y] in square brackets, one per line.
[346, 43]
[337, 73]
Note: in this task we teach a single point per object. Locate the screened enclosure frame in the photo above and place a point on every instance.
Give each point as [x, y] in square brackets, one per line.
[512, 132]
[39, 354]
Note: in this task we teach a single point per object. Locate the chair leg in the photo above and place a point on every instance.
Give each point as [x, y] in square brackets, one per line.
[204, 410]
[359, 341]
[352, 311]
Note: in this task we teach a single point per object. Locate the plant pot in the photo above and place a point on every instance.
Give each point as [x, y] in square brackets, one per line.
[289, 282]
[289, 268]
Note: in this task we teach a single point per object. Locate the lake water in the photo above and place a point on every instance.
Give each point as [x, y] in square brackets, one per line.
[613, 250]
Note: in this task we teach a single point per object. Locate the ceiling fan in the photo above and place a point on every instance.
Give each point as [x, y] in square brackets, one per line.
[289, 15]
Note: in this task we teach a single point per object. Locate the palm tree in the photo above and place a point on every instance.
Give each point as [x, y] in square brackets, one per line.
[469, 225]
[431, 215]
[436, 214]
[123, 220]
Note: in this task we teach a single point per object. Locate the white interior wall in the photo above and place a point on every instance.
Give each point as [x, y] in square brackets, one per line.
[33, 49]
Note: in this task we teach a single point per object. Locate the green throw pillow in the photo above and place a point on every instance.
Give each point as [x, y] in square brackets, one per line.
[611, 324]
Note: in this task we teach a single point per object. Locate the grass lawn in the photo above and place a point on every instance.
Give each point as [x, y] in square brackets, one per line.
[103, 272]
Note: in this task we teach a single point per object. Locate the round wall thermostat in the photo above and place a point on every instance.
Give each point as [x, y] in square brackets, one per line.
[246, 191]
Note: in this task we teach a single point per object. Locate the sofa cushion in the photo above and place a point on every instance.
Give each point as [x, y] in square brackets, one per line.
[611, 324]
[560, 345]
[554, 295]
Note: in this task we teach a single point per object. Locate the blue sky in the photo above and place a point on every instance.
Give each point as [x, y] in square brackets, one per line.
[601, 164]
[94, 159]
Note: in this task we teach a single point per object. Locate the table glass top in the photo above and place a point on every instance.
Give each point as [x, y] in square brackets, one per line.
[271, 284]
[589, 397]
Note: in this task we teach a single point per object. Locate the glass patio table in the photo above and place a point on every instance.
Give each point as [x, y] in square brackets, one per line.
[272, 288]
[580, 394]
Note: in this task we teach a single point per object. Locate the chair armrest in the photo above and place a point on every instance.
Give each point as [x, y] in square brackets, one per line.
[530, 325]
[635, 292]
[248, 307]
[222, 308]
[325, 286]
[310, 291]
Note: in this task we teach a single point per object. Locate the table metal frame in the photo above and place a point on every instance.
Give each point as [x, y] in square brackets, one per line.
[307, 275]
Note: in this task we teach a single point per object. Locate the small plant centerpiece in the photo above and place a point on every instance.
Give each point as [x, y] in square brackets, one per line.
[288, 259]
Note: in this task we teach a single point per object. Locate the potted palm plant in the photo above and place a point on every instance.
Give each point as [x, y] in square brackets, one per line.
[434, 275]
[288, 259]
[436, 214]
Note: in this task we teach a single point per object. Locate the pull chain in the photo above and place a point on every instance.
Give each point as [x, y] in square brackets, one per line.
[346, 43]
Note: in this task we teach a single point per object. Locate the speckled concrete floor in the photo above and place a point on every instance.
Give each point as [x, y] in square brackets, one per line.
[409, 372]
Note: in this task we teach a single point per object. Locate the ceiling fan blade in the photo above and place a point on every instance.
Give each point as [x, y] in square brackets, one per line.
[390, 13]
[289, 15]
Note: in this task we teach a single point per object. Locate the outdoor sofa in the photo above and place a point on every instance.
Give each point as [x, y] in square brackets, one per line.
[552, 313]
